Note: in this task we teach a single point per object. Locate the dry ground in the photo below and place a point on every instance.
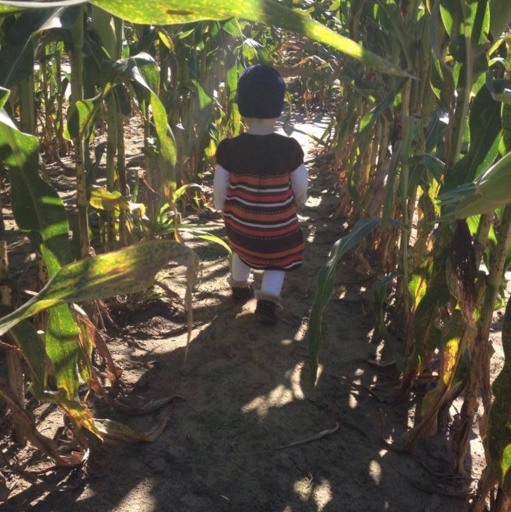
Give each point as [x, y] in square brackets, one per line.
[247, 395]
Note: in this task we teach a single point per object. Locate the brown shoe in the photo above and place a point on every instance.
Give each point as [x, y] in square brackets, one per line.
[266, 312]
[241, 295]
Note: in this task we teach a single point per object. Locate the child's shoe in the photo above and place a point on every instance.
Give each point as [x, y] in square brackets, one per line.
[241, 295]
[267, 306]
[241, 291]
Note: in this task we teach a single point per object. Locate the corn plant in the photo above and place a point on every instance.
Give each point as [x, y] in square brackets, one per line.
[67, 340]
[117, 78]
[497, 439]
[430, 123]
[440, 136]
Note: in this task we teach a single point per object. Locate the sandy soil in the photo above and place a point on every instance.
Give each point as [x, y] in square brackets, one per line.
[247, 395]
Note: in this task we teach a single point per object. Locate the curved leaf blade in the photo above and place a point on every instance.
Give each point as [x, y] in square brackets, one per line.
[268, 12]
[63, 349]
[32, 348]
[37, 207]
[325, 287]
[141, 69]
[118, 272]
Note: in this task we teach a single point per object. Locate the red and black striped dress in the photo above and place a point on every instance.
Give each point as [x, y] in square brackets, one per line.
[260, 207]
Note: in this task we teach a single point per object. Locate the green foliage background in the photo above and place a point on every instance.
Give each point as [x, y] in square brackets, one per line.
[420, 99]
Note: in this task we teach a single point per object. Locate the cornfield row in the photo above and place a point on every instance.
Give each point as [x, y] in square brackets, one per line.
[420, 138]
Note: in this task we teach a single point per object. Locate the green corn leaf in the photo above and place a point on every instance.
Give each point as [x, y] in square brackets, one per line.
[391, 16]
[180, 192]
[233, 27]
[4, 96]
[149, 70]
[380, 293]
[84, 118]
[205, 106]
[325, 287]
[389, 198]
[499, 171]
[505, 466]
[268, 12]
[199, 233]
[421, 163]
[498, 434]
[367, 122]
[33, 351]
[17, 53]
[77, 411]
[13, 6]
[38, 210]
[16, 63]
[489, 191]
[6, 10]
[500, 16]
[40, 213]
[427, 334]
[419, 282]
[136, 69]
[103, 199]
[485, 127]
[119, 272]
[468, 24]
[63, 348]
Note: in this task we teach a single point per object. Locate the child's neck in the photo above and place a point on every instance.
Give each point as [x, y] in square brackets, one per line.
[258, 126]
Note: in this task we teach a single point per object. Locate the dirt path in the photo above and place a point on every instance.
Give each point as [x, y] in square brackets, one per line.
[248, 395]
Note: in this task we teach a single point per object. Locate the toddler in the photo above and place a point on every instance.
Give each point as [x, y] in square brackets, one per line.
[260, 180]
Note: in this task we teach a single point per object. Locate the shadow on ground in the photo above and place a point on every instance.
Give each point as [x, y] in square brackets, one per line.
[248, 395]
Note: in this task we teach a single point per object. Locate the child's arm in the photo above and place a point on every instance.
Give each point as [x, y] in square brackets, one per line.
[299, 178]
[220, 184]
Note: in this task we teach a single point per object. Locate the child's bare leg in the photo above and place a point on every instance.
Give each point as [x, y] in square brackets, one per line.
[268, 299]
[240, 281]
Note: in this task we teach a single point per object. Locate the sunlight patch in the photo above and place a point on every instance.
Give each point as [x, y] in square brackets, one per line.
[320, 493]
[375, 471]
[302, 487]
[259, 404]
[294, 377]
[313, 202]
[279, 397]
[302, 331]
[353, 396]
[140, 494]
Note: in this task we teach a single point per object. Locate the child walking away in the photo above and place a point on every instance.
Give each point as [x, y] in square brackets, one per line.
[260, 180]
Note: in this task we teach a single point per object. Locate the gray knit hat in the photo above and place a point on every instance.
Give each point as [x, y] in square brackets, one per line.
[261, 92]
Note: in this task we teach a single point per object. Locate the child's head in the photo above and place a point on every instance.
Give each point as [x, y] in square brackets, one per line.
[261, 92]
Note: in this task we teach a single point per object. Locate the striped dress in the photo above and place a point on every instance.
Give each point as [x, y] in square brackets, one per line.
[260, 207]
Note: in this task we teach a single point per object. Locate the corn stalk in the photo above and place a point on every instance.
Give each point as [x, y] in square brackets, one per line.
[41, 214]
[76, 58]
